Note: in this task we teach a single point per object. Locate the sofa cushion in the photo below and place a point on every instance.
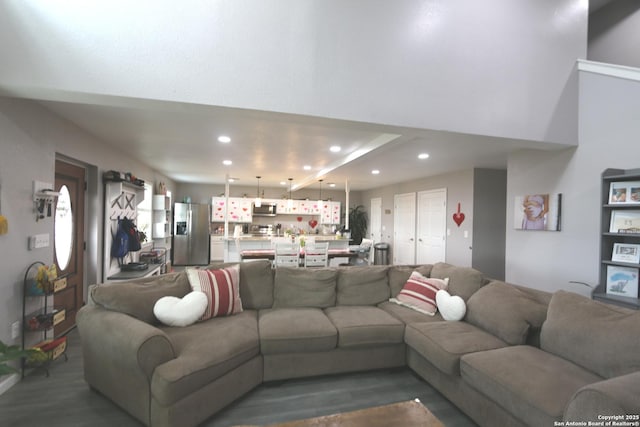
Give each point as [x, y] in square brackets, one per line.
[463, 281]
[185, 311]
[305, 287]
[505, 311]
[419, 293]
[443, 343]
[532, 385]
[295, 330]
[366, 285]
[365, 325]
[137, 297]
[451, 307]
[399, 274]
[408, 315]
[222, 288]
[600, 337]
[205, 351]
[256, 283]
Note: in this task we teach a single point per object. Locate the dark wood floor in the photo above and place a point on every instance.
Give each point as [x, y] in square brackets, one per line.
[64, 399]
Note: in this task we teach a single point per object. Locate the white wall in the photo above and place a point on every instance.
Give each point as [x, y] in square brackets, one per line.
[500, 67]
[459, 187]
[30, 139]
[609, 129]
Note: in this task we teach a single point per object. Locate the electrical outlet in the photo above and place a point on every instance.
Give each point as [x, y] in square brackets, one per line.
[15, 330]
[39, 241]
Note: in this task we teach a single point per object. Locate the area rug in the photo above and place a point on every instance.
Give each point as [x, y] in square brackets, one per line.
[411, 413]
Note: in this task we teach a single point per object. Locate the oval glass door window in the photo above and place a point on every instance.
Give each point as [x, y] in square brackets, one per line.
[63, 231]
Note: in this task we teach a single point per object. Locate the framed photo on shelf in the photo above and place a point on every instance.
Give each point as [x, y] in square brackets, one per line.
[626, 252]
[624, 192]
[622, 281]
[625, 221]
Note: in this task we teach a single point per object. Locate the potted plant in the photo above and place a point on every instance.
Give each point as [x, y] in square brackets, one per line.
[358, 224]
[13, 352]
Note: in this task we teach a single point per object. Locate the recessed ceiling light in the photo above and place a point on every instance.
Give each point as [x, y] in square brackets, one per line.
[283, 182]
[335, 148]
[227, 162]
[422, 156]
[224, 139]
[375, 172]
[332, 185]
[232, 180]
[306, 167]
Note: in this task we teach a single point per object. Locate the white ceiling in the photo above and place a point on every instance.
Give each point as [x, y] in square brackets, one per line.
[180, 141]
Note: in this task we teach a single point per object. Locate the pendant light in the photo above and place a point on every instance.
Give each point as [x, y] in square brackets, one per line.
[320, 198]
[258, 201]
[290, 201]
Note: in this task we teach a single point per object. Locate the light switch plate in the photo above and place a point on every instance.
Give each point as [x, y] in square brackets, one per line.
[39, 241]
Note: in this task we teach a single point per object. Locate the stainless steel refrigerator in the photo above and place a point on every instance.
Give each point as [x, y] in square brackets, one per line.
[190, 234]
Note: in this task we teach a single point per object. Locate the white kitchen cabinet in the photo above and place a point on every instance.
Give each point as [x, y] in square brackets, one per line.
[216, 249]
[217, 209]
[239, 209]
[330, 213]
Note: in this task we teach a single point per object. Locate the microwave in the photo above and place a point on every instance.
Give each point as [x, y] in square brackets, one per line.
[265, 209]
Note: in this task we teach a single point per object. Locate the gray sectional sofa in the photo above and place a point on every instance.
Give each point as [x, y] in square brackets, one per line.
[519, 357]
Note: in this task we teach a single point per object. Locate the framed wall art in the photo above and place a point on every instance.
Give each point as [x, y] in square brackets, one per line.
[537, 212]
[622, 281]
[625, 192]
[625, 221]
[626, 252]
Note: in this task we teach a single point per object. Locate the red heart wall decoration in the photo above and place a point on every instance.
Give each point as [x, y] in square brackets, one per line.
[458, 217]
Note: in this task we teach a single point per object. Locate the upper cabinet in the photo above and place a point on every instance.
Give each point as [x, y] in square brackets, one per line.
[330, 213]
[238, 210]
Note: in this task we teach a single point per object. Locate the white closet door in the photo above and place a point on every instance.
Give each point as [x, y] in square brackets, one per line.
[431, 226]
[404, 226]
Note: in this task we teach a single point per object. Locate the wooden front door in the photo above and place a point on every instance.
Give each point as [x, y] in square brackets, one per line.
[68, 238]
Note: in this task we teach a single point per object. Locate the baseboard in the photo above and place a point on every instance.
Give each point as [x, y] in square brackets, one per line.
[9, 382]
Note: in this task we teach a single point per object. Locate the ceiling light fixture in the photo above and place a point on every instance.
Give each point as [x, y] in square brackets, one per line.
[335, 148]
[258, 201]
[290, 201]
[227, 162]
[332, 184]
[306, 167]
[375, 172]
[224, 139]
[423, 156]
[320, 198]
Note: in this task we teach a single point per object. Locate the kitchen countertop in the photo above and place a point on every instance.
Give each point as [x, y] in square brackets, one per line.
[318, 237]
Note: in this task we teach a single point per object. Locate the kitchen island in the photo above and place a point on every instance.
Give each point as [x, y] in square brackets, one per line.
[234, 246]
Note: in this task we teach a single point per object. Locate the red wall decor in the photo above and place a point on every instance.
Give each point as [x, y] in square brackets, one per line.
[458, 217]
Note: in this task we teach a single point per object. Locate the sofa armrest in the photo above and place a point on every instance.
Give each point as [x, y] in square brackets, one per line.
[615, 396]
[120, 354]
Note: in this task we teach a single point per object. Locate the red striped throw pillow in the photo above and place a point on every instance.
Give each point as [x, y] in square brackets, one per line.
[419, 293]
[222, 287]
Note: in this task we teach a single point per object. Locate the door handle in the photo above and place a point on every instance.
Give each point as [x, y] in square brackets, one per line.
[419, 240]
[411, 239]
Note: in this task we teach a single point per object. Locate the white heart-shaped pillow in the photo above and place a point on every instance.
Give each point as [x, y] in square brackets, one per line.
[173, 311]
[451, 307]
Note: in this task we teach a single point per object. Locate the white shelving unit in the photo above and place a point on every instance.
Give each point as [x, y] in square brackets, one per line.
[120, 200]
[161, 232]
